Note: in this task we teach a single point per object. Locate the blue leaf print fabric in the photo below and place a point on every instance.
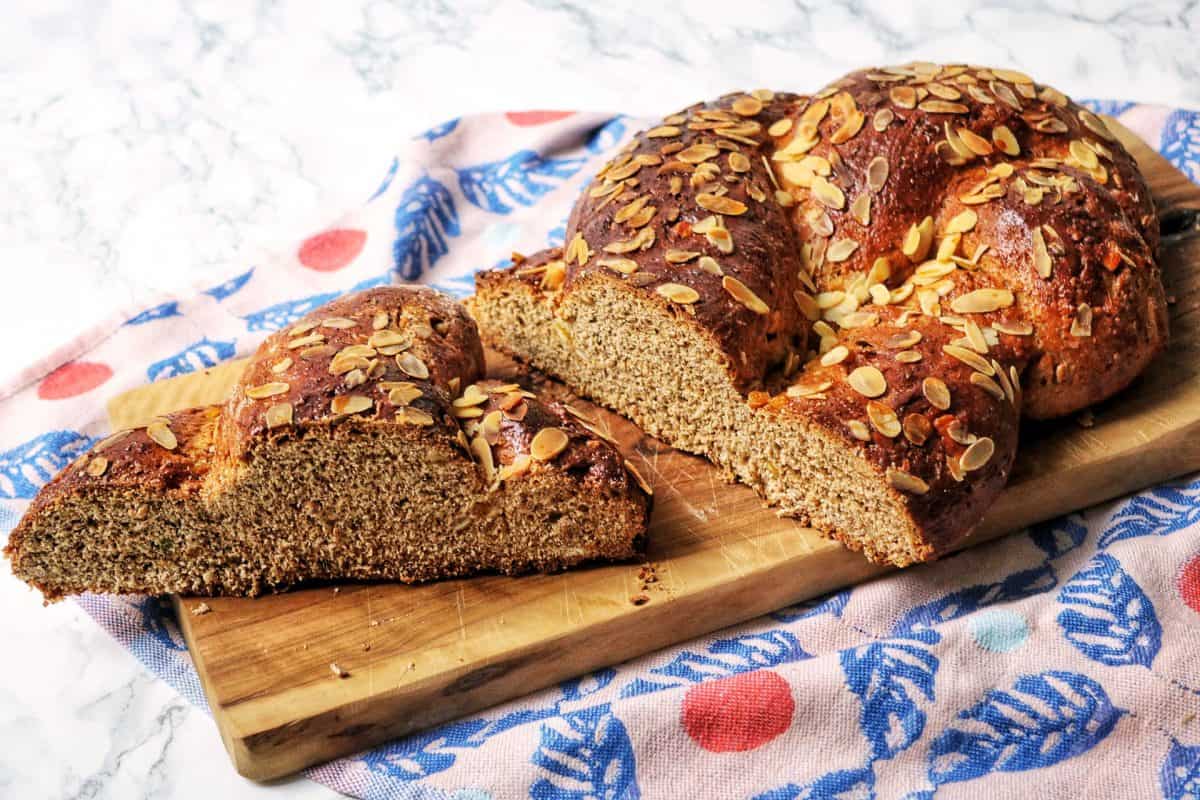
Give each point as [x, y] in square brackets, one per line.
[1042, 720]
[27, 467]
[519, 180]
[1108, 617]
[425, 221]
[198, 355]
[583, 755]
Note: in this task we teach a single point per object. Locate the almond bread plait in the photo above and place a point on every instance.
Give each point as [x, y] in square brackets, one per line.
[848, 300]
[361, 443]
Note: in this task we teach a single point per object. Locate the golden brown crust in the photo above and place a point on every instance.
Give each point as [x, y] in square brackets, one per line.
[983, 212]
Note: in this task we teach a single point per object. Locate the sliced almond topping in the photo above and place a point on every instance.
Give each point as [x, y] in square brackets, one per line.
[827, 193]
[743, 295]
[305, 341]
[339, 323]
[278, 415]
[918, 240]
[401, 393]
[917, 428]
[1013, 328]
[1004, 139]
[97, 466]
[860, 209]
[281, 365]
[877, 173]
[974, 142]
[663, 132]
[414, 416]
[840, 250]
[883, 419]
[747, 105]
[1096, 125]
[625, 266]
[780, 127]
[903, 96]
[350, 404]
[901, 480]
[519, 466]
[988, 385]
[161, 434]
[942, 107]
[548, 443]
[1041, 256]
[409, 364]
[388, 338]
[970, 358]
[835, 356]
[807, 387]
[900, 341]
[266, 390]
[936, 392]
[473, 395]
[380, 320]
[977, 455]
[637, 476]
[710, 265]
[859, 430]
[963, 222]
[720, 204]
[678, 293]
[867, 381]
[680, 256]
[982, 301]
[1081, 325]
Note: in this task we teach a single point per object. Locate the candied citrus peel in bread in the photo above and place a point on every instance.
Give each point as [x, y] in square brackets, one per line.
[363, 442]
[849, 300]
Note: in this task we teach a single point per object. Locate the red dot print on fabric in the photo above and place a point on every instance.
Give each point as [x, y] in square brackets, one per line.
[1189, 583]
[332, 249]
[528, 118]
[738, 713]
[73, 379]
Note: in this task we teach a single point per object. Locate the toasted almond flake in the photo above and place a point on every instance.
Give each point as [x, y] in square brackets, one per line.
[625, 266]
[740, 292]
[1004, 139]
[807, 387]
[97, 466]
[840, 250]
[350, 404]
[903, 96]
[281, 365]
[987, 384]
[908, 356]
[962, 222]
[1081, 325]
[414, 416]
[548, 443]
[719, 204]
[970, 358]
[409, 364]
[936, 392]
[161, 434]
[663, 132]
[859, 430]
[746, 105]
[303, 327]
[680, 256]
[1095, 125]
[882, 119]
[403, 393]
[109, 441]
[867, 381]
[738, 162]
[1041, 256]
[1013, 328]
[877, 173]
[917, 428]
[982, 301]
[901, 480]
[880, 295]
[710, 265]
[849, 128]
[380, 320]
[977, 454]
[387, 338]
[339, 323]
[808, 306]
[900, 341]
[883, 419]
[780, 127]
[473, 395]
[835, 356]
[697, 153]
[942, 107]
[678, 293]
[860, 209]
[827, 193]
[918, 240]
[266, 390]
[305, 341]
[278, 415]
[858, 319]
[974, 142]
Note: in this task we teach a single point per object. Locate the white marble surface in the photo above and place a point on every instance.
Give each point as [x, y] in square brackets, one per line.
[151, 146]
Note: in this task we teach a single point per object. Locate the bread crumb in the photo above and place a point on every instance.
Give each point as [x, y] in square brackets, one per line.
[337, 589]
[366, 647]
[640, 599]
[1086, 418]
[338, 672]
[203, 608]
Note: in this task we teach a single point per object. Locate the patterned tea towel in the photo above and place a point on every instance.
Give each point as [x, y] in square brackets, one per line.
[1058, 662]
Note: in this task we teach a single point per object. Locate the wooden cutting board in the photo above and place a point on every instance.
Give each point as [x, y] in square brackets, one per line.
[421, 655]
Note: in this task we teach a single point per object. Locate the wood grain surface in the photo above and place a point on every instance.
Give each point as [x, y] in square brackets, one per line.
[417, 656]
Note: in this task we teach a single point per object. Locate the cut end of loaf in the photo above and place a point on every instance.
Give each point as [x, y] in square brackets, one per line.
[627, 352]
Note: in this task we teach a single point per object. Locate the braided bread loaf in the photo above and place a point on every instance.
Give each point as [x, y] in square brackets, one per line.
[848, 300]
[361, 443]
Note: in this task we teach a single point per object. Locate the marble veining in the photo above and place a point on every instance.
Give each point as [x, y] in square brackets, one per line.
[150, 147]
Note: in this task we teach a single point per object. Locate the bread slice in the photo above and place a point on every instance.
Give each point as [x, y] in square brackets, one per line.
[362, 443]
[848, 300]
